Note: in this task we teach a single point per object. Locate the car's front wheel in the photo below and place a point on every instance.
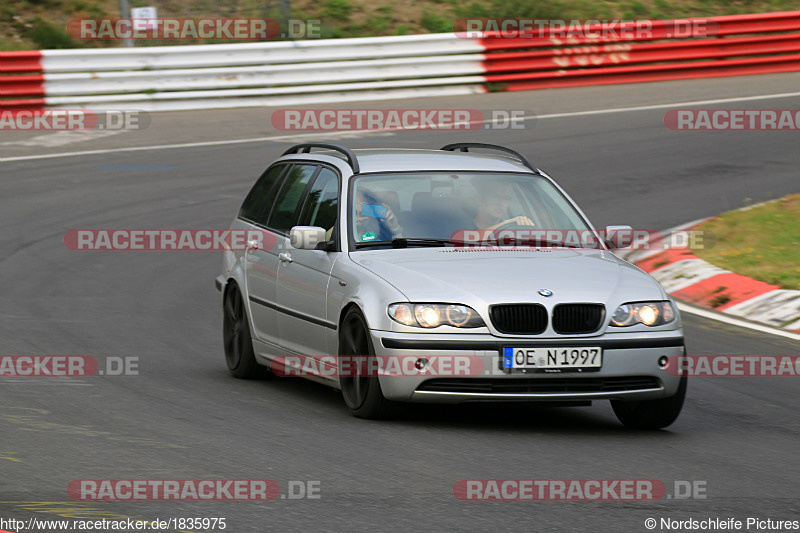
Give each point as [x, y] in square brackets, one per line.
[651, 414]
[360, 388]
[239, 354]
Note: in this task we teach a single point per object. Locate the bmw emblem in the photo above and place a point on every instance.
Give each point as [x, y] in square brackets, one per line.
[545, 292]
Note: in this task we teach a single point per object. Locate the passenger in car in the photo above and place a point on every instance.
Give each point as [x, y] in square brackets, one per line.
[375, 221]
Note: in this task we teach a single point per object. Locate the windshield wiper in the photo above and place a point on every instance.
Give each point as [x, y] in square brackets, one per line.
[402, 242]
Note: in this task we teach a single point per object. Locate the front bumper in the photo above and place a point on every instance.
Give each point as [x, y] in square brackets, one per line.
[630, 369]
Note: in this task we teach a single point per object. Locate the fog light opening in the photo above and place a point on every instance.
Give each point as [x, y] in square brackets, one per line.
[663, 361]
[420, 363]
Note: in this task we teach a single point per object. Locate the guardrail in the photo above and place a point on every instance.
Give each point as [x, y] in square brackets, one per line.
[320, 71]
[637, 58]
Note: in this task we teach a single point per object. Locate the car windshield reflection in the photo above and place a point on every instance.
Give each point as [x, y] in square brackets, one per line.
[440, 209]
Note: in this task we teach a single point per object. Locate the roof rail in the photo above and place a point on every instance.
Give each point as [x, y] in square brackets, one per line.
[305, 148]
[464, 147]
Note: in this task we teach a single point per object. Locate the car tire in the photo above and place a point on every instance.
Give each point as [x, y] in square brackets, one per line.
[651, 414]
[361, 393]
[236, 337]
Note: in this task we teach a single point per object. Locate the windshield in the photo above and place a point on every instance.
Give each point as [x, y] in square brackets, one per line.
[448, 207]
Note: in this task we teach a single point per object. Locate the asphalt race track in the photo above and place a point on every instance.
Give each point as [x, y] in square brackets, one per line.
[184, 417]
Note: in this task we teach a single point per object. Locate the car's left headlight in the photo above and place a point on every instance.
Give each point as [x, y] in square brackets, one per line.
[647, 313]
[433, 315]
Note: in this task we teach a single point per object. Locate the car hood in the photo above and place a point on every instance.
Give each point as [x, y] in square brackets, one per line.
[492, 276]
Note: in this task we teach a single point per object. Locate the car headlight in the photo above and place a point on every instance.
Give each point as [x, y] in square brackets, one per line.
[647, 313]
[427, 315]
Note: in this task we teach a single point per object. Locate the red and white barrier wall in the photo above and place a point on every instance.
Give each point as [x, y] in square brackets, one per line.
[691, 279]
[319, 71]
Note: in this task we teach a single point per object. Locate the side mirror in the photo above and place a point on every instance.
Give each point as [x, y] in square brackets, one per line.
[618, 236]
[306, 237]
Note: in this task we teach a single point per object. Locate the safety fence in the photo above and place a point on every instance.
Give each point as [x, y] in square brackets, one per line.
[338, 70]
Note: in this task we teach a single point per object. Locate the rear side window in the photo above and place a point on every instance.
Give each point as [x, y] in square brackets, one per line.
[283, 214]
[256, 206]
[320, 207]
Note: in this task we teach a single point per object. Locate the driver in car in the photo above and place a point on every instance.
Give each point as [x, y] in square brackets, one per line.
[492, 210]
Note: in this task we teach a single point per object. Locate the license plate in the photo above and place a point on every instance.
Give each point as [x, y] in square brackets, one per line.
[562, 359]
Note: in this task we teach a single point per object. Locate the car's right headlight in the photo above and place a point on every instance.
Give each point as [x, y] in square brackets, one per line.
[433, 315]
[647, 313]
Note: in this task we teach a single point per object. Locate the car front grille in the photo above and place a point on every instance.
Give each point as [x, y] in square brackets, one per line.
[578, 318]
[531, 319]
[526, 319]
[539, 385]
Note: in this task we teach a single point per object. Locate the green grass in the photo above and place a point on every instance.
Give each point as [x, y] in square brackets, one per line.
[762, 242]
[720, 299]
[338, 10]
[48, 36]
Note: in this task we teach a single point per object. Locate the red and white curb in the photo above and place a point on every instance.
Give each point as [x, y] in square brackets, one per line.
[693, 280]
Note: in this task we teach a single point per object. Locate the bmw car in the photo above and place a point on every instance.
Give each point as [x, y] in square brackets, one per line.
[469, 253]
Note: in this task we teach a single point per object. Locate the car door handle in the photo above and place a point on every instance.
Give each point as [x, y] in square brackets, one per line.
[286, 258]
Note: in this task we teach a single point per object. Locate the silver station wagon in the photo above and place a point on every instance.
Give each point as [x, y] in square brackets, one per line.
[449, 275]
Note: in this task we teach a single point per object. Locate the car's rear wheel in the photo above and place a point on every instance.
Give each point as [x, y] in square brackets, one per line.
[239, 354]
[361, 390]
[651, 414]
